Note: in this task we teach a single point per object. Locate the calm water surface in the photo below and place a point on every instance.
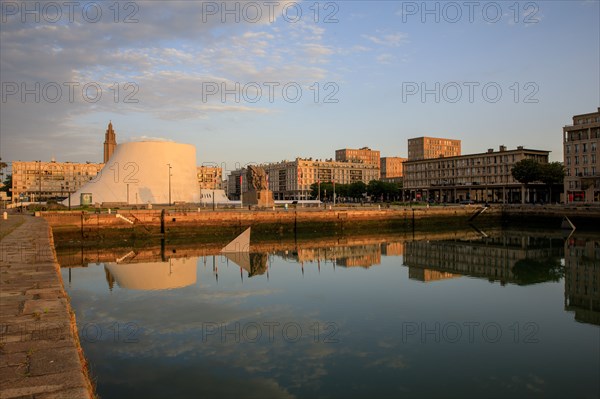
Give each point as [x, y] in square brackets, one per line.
[508, 315]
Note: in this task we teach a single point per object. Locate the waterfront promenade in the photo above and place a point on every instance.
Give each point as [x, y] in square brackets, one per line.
[40, 355]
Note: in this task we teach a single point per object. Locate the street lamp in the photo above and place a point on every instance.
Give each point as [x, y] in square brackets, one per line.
[169, 183]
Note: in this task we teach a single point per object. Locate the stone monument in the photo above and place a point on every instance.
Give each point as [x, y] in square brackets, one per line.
[258, 191]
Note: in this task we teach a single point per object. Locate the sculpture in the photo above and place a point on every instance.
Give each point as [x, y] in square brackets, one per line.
[258, 190]
[257, 178]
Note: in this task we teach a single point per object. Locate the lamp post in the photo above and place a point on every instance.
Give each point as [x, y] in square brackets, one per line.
[40, 181]
[169, 183]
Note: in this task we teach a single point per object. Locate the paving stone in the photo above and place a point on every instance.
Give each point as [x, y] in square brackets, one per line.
[39, 355]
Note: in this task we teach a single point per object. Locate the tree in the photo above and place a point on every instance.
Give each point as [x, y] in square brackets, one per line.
[357, 189]
[550, 174]
[7, 184]
[526, 171]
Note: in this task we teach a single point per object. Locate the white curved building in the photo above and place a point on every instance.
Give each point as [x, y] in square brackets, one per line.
[155, 172]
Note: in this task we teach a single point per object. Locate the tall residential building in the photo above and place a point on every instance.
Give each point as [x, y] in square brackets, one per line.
[391, 167]
[478, 177]
[362, 155]
[432, 147]
[110, 142]
[291, 180]
[42, 181]
[209, 177]
[582, 167]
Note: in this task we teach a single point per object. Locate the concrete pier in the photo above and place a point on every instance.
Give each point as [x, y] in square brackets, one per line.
[40, 355]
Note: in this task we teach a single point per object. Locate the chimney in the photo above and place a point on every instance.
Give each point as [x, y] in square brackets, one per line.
[490, 150]
[502, 148]
[520, 147]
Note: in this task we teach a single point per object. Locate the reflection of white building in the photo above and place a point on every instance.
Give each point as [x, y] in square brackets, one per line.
[175, 273]
[145, 172]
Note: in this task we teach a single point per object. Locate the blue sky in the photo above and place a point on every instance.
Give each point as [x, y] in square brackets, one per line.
[373, 58]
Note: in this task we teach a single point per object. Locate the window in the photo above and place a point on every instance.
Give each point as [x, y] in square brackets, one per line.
[576, 160]
[576, 148]
[584, 145]
[568, 149]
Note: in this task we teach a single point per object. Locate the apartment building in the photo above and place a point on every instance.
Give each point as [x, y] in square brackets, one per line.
[582, 167]
[432, 147]
[361, 155]
[484, 177]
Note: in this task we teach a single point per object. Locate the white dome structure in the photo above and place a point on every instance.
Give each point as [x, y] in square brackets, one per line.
[155, 172]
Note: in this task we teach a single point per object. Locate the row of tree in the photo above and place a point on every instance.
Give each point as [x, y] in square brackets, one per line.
[376, 189]
[527, 171]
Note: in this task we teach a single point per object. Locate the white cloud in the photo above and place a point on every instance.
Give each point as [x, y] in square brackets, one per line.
[389, 39]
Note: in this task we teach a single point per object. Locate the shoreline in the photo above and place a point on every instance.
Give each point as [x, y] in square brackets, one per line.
[208, 225]
[39, 341]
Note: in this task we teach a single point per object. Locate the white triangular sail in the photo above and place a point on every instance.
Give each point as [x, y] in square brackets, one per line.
[240, 244]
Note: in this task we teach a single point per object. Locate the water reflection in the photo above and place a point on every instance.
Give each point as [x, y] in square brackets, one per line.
[176, 273]
[582, 279]
[328, 317]
[517, 259]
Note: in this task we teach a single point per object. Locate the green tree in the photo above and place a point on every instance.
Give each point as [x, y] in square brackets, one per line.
[550, 174]
[7, 184]
[357, 189]
[526, 171]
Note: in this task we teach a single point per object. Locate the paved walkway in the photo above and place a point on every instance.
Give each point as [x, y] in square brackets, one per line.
[40, 356]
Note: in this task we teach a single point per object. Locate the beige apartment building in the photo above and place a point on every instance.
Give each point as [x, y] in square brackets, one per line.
[362, 155]
[391, 167]
[432, 147]
[484, 177]
[582, 167]
[210, 177]
[291, 180]
[41, 181]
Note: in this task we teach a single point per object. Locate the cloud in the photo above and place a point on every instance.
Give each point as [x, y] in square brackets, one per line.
[389, 40]
[384, 58]
[160, 62]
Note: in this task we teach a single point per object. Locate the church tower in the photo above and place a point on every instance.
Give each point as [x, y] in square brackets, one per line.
[110, 142]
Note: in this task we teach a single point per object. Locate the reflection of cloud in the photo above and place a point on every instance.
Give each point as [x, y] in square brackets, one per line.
[393, 362]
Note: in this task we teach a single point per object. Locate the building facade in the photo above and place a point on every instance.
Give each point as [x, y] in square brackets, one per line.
[210, 177]
[391, 167]
[291, 180]
[582, 167]
[42, 181]
[362, 155]
[110, 142]
[235, 181]
[485, 177]
[432, 147]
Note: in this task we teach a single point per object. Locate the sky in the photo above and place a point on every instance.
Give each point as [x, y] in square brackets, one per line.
[263, 81]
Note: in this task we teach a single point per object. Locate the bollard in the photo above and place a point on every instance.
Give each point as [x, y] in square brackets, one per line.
[109, 211]
[4, 215]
